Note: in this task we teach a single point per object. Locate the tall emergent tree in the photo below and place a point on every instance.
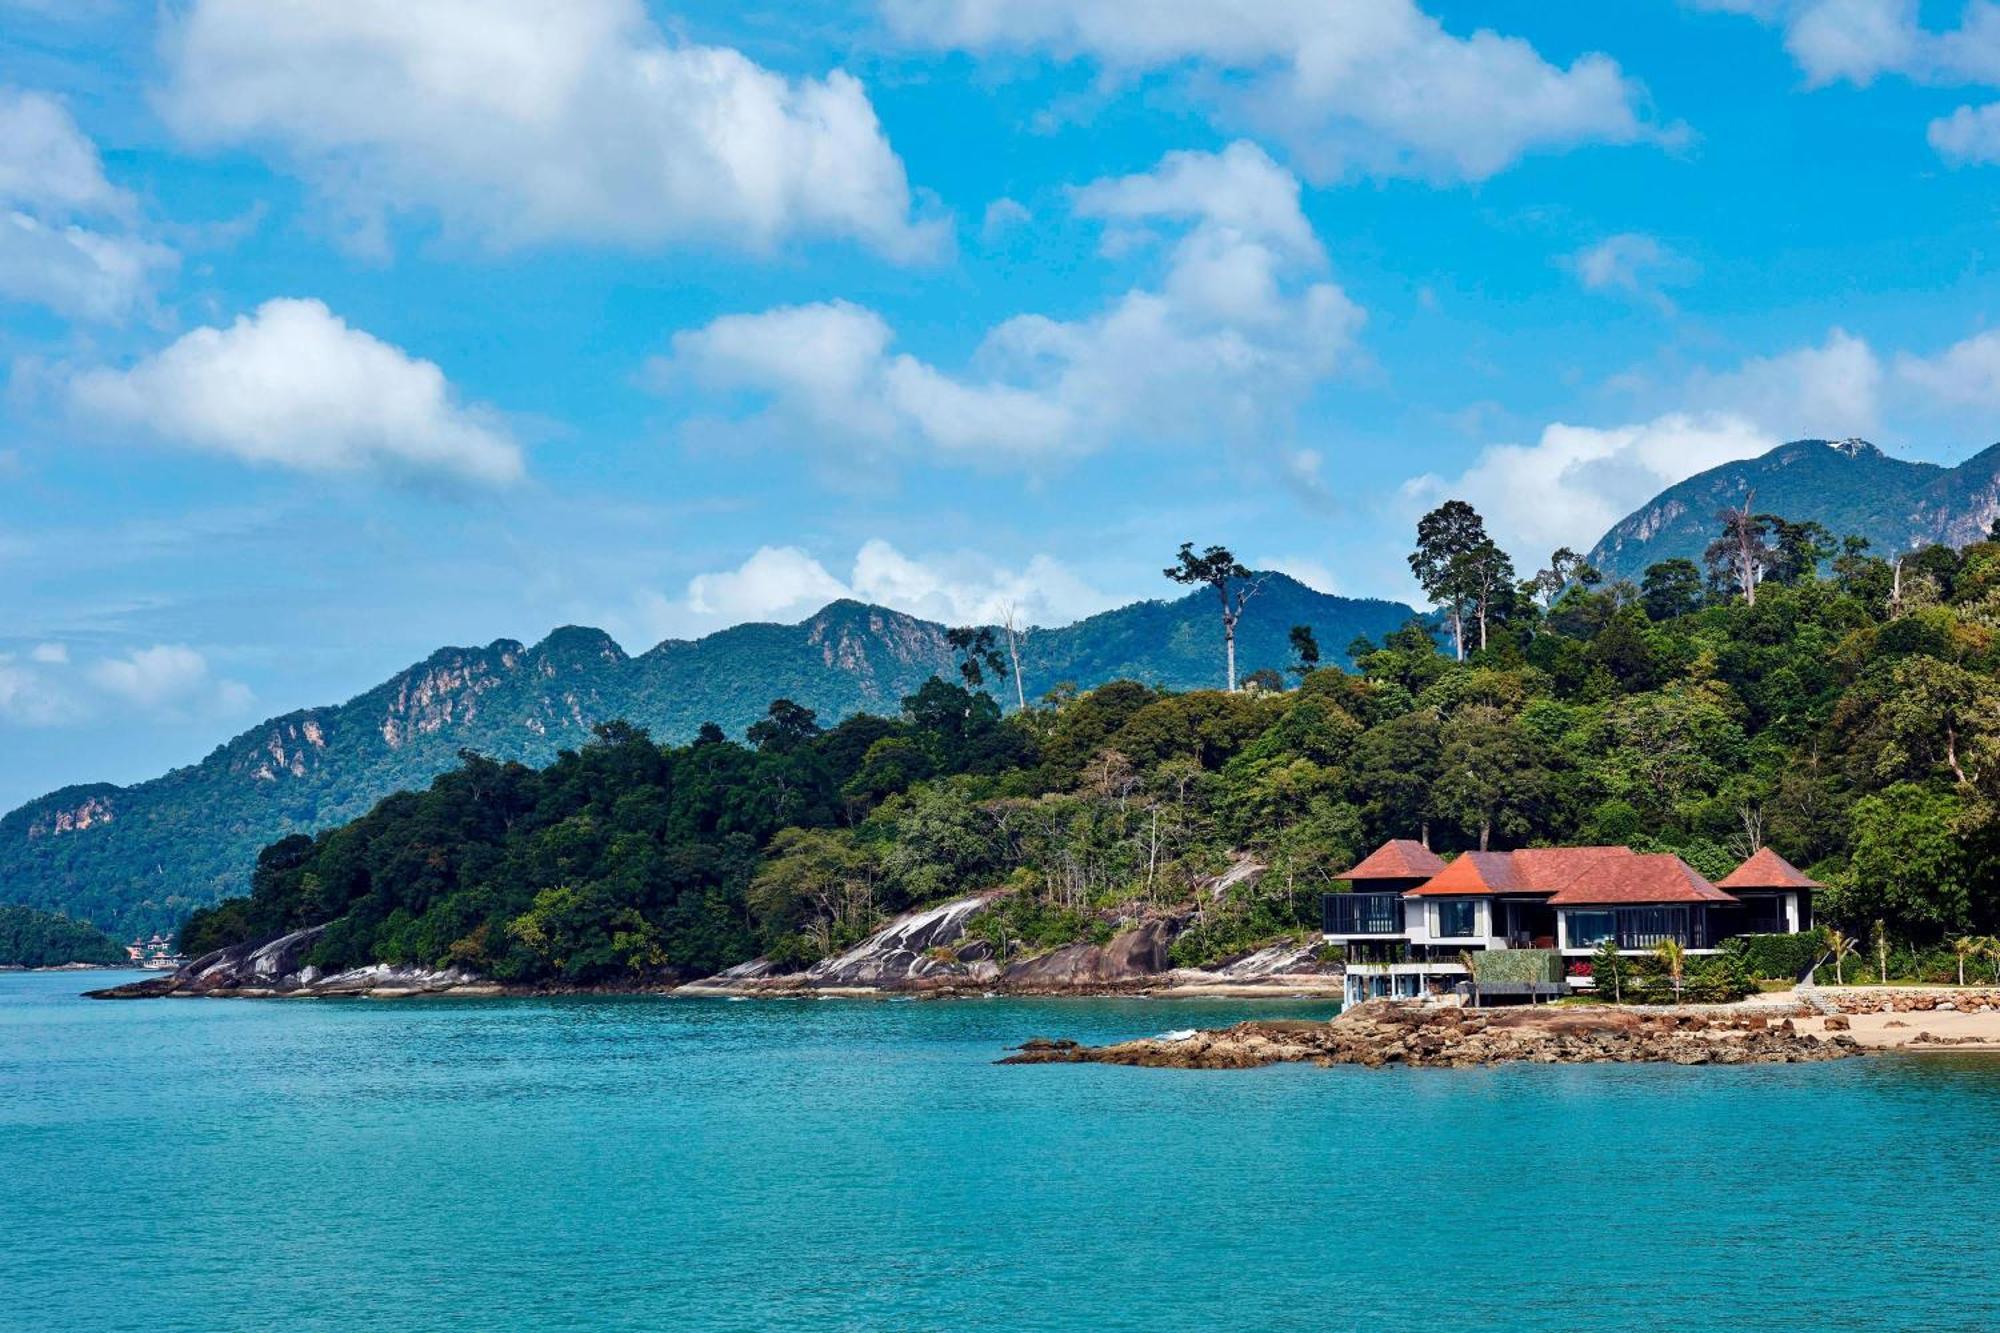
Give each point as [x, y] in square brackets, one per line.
[1008, 614]
[979, 654]
[1234, 587]
[1740, 556]
[1459, 566]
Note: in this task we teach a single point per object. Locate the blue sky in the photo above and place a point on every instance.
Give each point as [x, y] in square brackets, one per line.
[333, 334]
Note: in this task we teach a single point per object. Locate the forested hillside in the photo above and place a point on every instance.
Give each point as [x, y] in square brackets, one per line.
[1842, 709]
[1848, 487]
[137, 859]
[42, 939]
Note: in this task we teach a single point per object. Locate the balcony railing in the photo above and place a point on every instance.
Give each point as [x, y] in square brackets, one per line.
[1362, 913]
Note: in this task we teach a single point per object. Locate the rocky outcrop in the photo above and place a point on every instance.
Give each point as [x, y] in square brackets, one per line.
[1280, 960]
[1138, 954]
[926, 950]
[278, 968]
[924, 946]
[1384, 1032]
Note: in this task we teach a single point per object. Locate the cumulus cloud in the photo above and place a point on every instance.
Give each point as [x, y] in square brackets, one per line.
[47, 163]
[785, 583]
[1238, 330]
[1964, 375]
[521, 121]
[75, 271]
[1831, 391]
[1374, 86]
[169, 679]
[170, 682]
[65, 235]
[1968, 136]
[1574, 481]
[1857, 41]
[294, 386]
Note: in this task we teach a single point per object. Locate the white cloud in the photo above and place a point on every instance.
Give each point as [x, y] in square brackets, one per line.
[1965, 375]
[1857, 41]
[1374, 86]
[1633, 263]
[1832, 391]
[29, 697]
[47, 163]
[1573, 483]
[294, 386]
[775, 582]
[1969, 135]
[1236, 333]
[168, 679]
[170, 682]
[56, 249]
[785, 584]
[524, 121]
[77, 272]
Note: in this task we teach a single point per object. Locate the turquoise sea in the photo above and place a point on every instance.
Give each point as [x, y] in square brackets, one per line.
[641, 1163]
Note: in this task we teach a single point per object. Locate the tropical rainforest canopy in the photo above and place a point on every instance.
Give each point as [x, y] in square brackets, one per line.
[1843, 708]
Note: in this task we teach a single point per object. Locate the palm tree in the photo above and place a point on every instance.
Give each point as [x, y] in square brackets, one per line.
[1839, 948]
[1990, 946]
[1674, 958]
[1470, 961]
[1966, 946]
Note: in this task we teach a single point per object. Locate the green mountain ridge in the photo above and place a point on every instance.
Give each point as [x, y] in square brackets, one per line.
[1850, 486]
[138, 858]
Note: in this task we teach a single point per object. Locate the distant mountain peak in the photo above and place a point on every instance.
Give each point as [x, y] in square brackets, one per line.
[1849, 487]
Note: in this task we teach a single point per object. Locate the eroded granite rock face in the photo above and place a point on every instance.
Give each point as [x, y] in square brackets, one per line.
[926, 945]
[1384, 1032]
[278, 967]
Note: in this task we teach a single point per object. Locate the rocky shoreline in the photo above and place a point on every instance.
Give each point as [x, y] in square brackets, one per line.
[926, 953]
[1385, 1032]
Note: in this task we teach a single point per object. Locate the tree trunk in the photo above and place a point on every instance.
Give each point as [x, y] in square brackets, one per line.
[1485, 830]
[1014, 655]
[1229, 648]
[1458, 632]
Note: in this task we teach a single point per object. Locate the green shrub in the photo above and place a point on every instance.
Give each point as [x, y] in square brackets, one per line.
[1776, 957]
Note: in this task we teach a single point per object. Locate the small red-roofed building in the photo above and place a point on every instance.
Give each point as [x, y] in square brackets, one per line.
[1406, 932]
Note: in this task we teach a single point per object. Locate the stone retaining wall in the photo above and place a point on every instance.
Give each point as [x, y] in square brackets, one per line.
[1909, 999]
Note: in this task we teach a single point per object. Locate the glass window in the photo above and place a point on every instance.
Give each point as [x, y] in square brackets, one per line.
[1587, 930]
[1457, 918]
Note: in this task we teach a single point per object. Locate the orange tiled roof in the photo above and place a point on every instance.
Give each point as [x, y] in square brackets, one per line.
[1399, 858]
[1658, 877]
[1530, 870]
[1766, 870]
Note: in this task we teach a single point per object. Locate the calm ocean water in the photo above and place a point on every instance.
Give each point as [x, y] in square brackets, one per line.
[650, 1163]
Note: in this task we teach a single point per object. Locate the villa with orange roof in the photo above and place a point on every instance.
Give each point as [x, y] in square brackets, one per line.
[1411, 915]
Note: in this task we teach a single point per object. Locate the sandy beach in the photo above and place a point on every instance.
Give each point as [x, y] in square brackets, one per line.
[1932, 1031]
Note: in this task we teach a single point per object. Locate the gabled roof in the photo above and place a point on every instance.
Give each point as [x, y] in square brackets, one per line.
[1766, 870]
[1530, 870]
[1399, 858]
[1656, 877]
